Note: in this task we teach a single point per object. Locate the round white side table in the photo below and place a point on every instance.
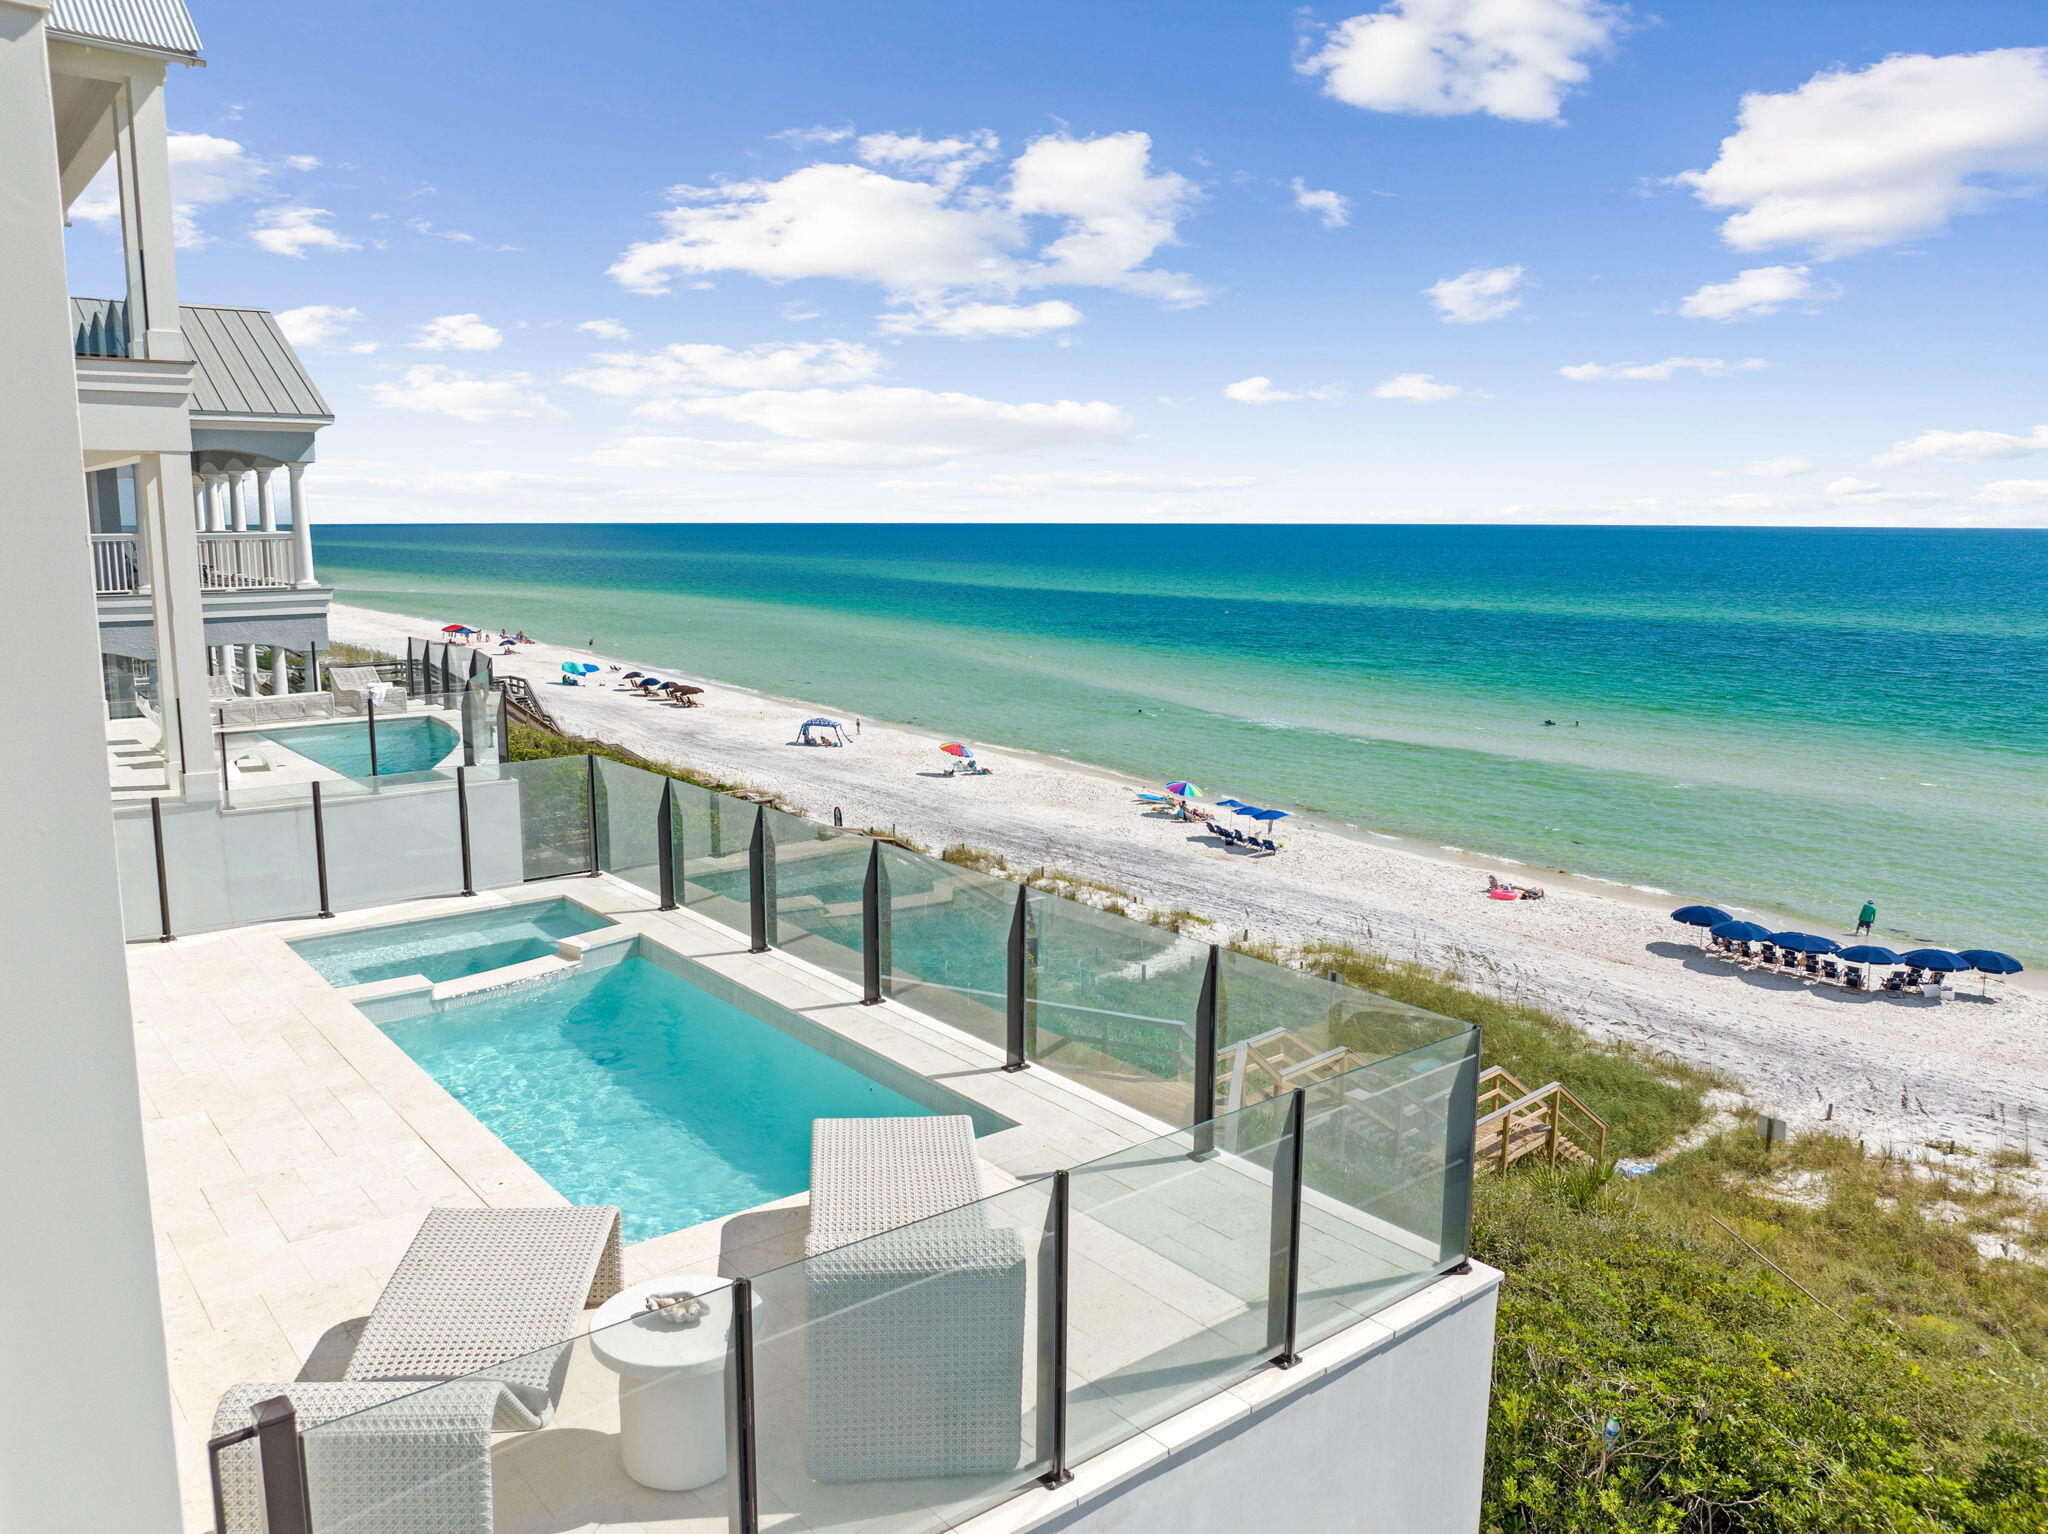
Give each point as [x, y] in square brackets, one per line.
[671, 1382]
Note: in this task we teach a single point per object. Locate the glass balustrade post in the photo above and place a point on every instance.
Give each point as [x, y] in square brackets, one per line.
[744, 1504]
[665, 852]
[590, 808]
[1016, 1052]
[462, 828]
[760, 917]
[872, 959]
[1053, 1337]
[1207, 1008]
[370, 721]
[163, 873]
[1284, 1272]
[320, 849]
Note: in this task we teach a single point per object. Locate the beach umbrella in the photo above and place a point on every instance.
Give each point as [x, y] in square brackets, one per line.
[1805, 942]
[1940, 960]
[457, 628]
[631, 676]
[1269, 814]
[684, 688]
[1185, 790]
[1740, 931]
[956, 748]
[1231, 804]
[1992, 962]
[1869, 953]
[1701, 915]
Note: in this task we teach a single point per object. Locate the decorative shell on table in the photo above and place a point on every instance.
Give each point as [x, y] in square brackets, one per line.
[679, 1309]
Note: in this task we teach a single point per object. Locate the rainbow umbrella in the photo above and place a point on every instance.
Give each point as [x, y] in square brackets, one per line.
[956, 748]
[1185, 790]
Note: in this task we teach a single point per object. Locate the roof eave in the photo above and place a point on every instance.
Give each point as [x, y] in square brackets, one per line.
[124, 45]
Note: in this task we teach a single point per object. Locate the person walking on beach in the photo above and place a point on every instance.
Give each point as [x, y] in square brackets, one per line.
[1866, 916]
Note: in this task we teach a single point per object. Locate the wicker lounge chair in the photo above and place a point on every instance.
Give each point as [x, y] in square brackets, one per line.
[486, 1298]
[915, 1338]
[351, 685]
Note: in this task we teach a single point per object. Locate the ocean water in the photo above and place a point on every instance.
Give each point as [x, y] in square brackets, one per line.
[1797, 720]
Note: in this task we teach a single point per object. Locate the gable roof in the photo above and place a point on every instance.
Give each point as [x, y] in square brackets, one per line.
[246, 366]
[161, 25]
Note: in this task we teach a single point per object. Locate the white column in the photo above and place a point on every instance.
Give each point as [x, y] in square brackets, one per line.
[212, 520]
[147, 174]
[250, 670]
[84, 1341]
[280, 675]
[302, 530]
[238, 505]
[266, 503]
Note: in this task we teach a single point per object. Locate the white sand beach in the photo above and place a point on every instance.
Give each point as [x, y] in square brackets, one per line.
[1894, 1071]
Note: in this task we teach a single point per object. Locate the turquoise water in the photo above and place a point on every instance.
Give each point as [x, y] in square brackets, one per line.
[403, 745]
[448, 947]
[630, 1086]
[1796, 720]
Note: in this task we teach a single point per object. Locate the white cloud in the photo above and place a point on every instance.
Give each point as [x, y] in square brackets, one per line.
[1417, 388]
[799, 137]
[1855, 159]
[1080, 212]
[1964, 447]
[1257, 390]
[1484, 293]
[1333, 208]
[1660, 372]
[977, 321]
[457, 333]
[2013, 492]
[605, 330]
[867, 427]
[946, 161]
[315, 324]
[362, 348]
[301, 162]
[1515, 59]
[1756, 292]
[206, 171]
[1033, 486]
[435, 389]
[701, 368]
[1851, 486]
[1777, 468]
[294, 230]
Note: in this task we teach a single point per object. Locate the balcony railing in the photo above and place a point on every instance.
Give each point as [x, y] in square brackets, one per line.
[239, 561]
[114, 566]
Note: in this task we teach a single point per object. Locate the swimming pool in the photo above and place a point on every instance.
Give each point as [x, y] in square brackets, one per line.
[448, 947]
[411, 744]
[627, 1084]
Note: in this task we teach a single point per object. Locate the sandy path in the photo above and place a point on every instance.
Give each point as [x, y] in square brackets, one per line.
[1895, 1071]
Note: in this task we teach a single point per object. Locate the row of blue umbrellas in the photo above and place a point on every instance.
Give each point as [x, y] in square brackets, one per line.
[1720, 924]
[1251, 811]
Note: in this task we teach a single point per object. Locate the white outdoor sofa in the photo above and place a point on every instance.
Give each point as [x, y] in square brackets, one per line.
[487, 1298]
[915, 1336]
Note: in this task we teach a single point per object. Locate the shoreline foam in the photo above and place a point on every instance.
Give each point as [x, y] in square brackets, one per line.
[1898, 1072]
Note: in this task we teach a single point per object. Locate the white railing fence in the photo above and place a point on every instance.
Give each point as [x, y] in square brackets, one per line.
[114, 563]
[233, 561]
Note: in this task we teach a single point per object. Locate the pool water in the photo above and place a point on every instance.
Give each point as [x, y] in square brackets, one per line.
[448, 947]
[628, 1085]
[411, 744]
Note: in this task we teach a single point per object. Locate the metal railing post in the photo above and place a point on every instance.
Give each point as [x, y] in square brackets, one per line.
[1016, 1053]
[665, 828]
[163, 875]
[1283, 1283]
[1207, 1009]
[1052, 1339]
[280, 1468]
[220, 743]
[412, 687]
[370, 719]
[872, 959]
[741, 1471]
[320, 848]
[590, 807]
[462, 827]
[758, 914]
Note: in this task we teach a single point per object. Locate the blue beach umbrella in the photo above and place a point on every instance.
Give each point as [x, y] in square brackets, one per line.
[1869, 953]
[1940, 960]
[1701, 915]
[1269, 814]
[1992, 962]
[1233, 804]
[1740, 931]
[1805, 942]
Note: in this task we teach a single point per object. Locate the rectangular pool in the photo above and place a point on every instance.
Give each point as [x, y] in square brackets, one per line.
[448, 947]
[409, 744]
[629, 1085]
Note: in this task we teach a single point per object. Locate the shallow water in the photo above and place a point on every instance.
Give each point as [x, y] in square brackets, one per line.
[1794, 719]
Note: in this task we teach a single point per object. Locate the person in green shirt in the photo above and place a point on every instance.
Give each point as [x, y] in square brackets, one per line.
[1866, 916]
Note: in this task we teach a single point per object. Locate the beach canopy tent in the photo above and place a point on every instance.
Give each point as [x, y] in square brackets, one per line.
[1805, 942]
[1869, 953]
[1940, 960]
[831, 731]
[1991, 962]
[1741, 932]
[1701, 915]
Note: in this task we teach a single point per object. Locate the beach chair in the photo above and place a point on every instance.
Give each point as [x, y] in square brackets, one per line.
[352, 685]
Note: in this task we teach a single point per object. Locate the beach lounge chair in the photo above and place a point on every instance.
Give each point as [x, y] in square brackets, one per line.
[482, 1297]
[915, 1331]
[351, 685]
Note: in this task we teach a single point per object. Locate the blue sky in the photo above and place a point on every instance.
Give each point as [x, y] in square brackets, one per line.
[1143, 261]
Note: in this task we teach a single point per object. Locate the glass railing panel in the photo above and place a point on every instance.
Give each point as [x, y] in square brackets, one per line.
[554, 815]
[819, 877]
[717, 830]
[1171, 1273]
[1113, 1004]
[1279, 1028]
[897, 1387]
[629, 824]
[1387, 1174]
[388, 842]
[223, 870]
[946, 941]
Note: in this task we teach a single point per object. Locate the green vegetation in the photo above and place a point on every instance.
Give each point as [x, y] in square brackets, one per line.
[527, 743]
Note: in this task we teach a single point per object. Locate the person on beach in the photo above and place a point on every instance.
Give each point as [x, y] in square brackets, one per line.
[1866, 916]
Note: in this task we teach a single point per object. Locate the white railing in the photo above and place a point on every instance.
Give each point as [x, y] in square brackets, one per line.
[234, 561]
[113, 563]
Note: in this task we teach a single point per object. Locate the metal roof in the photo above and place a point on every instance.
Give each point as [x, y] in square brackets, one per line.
[246, 366]
[163, 25]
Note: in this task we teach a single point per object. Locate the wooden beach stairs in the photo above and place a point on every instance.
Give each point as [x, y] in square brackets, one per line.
[1514, 1121]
